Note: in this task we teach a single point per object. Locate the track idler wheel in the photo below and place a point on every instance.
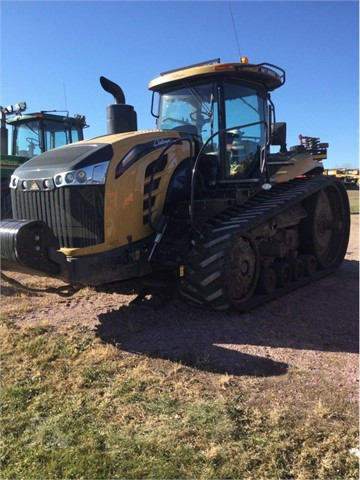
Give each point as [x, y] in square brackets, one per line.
[243, 267]
[325, 231]
[221, 273]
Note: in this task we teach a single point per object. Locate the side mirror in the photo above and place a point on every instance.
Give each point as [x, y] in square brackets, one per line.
[278, 135]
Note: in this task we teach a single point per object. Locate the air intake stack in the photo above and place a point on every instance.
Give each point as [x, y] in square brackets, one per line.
[121, 118]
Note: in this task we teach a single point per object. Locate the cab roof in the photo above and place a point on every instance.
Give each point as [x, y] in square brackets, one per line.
[266, 74]
[25, 117]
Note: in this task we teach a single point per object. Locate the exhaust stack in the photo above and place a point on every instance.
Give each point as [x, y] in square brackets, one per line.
[121, 118]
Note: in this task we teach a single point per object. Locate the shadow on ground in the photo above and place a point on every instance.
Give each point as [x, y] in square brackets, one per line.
[322, 316]
[182, 334]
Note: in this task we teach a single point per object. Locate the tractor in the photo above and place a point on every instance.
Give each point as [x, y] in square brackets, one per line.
[201, 204]
[32, 134]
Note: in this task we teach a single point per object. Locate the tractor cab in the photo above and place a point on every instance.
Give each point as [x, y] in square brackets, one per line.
[36, 133]
[225, 109]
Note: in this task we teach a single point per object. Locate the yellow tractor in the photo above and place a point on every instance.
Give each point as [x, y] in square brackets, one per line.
[350, 177]
[200, 204]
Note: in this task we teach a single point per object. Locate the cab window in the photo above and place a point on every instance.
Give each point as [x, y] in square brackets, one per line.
[191, 109]
[245, 110]
[27, 139]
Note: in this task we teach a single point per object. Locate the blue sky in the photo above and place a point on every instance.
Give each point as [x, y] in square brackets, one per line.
[53, 53]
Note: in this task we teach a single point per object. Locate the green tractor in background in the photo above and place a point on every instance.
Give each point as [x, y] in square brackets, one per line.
[32, 134]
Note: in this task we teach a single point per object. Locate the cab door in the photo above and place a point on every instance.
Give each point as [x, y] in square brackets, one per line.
[245, 138]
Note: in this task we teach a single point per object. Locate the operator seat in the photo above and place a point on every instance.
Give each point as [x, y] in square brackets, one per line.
[188, 130]
[24, 153]
[209, 165]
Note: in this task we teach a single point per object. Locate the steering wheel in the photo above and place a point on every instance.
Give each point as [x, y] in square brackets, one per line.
[204, 115]
[33, 141]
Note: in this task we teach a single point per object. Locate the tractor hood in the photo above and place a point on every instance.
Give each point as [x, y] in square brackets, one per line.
[80, 163]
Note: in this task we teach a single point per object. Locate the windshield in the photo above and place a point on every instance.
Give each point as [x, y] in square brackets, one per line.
[194, 109]
[58, 134]
[191, 109]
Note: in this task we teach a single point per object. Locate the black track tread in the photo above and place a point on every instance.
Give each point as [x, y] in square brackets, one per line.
[205, 272]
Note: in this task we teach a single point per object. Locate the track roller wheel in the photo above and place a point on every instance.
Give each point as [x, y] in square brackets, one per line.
[283, 273]
[267, 281]
[310, 264]
[325, 231]
[297, 268]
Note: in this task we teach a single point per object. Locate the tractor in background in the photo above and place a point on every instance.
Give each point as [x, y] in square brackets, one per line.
[350, 177]
[32, 134]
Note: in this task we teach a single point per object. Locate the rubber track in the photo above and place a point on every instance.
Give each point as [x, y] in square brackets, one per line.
[240, 220]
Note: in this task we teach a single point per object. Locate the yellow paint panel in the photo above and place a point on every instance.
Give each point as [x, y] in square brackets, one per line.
[124, 196]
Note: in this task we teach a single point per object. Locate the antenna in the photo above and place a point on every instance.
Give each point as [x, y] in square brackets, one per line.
[66, 108]
[232, 18]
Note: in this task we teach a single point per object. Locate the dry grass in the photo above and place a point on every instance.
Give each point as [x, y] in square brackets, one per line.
[354, 200]
[75, 407]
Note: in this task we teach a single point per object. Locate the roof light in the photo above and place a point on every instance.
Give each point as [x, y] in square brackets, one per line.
[20, 107]
[224, 66]
[16, 108]
[244, 60]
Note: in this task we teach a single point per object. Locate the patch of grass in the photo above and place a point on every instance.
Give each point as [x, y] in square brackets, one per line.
[74, 407]
[354, 200]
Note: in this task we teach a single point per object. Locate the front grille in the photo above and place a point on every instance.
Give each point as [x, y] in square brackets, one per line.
[75, 215]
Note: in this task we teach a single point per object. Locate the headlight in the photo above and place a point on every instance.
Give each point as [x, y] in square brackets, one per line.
[58, 180]
[14, 181]
[91, 175]
[69, 177]
[81, 176]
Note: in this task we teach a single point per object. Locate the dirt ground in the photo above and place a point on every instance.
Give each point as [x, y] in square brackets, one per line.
[312, 331]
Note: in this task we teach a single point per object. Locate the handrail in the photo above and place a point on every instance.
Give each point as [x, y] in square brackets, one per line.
[282, 77]
[197, 160]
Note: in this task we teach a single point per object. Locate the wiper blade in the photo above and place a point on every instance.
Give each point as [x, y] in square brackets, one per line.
[208, 111]
[249, 105]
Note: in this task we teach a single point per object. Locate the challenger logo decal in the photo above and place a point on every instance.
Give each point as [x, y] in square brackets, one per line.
[163, 142]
